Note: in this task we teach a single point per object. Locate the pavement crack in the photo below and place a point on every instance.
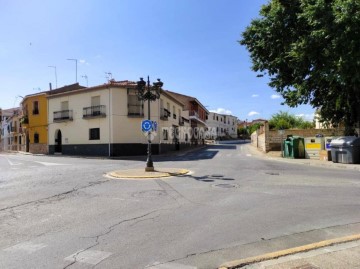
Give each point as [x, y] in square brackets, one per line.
[56, 197]
[173, 193]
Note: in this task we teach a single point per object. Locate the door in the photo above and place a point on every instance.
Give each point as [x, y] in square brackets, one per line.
[58, 139]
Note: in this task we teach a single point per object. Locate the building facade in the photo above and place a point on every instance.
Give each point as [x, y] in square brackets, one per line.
[197, 114]
[225, 125]
[11, 137]
[105, 120]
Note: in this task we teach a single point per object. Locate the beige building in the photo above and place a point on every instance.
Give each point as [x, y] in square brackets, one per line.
[106, 120]
[11, 130]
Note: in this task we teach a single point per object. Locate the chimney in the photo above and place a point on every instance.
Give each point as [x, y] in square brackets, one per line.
[50, 86]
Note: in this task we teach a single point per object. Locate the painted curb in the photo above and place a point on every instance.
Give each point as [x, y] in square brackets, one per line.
[277, 254]
[147, 175]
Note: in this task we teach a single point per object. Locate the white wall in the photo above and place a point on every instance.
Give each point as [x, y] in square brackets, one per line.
[77, 130]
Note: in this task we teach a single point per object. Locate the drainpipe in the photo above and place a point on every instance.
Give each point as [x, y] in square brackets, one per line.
[109, 122]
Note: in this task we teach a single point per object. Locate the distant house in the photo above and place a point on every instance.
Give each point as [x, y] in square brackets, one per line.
[197, 114]
[225, 125]
[10, 129]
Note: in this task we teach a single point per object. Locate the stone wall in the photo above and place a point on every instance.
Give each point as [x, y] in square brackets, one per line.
[270, 140]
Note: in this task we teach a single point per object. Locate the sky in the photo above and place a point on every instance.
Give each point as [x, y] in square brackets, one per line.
[192, 45]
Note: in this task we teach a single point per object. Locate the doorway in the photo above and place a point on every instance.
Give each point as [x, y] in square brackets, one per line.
[58, 142]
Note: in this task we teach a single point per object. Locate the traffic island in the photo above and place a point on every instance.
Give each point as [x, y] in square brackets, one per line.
[141, 174]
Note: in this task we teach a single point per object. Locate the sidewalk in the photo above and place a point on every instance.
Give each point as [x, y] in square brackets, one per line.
[276, 155]
[343, 255]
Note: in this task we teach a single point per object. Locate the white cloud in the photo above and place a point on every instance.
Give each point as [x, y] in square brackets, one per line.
[222, 111]
[83, 62]
[275, 96]
[255, 95]
[253, 113]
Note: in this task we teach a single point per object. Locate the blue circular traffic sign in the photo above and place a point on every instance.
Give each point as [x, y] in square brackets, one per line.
[146, 125]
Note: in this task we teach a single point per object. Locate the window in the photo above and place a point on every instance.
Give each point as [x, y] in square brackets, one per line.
[174, 112]
[64, 105]
[165, 134]
[35, 108]
[135, 106]
[36, 138]
[94, 134]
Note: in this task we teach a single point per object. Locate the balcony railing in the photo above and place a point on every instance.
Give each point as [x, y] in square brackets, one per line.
[164, 114]
[94, 112]
[194, 113]
[63, 115]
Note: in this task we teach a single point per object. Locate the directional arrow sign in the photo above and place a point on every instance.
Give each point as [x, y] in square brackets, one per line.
[146, 125]
[154, 126]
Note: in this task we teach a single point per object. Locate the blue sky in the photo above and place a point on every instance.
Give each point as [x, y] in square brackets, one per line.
[190, 44]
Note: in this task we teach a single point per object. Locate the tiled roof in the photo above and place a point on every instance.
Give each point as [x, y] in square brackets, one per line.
[123, 83]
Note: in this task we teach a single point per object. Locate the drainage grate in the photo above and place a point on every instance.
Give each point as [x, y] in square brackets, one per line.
[225, 186]
[216, 175]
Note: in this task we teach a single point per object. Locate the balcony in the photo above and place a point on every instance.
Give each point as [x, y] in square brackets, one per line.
[194, 115]
[94, 112]
[63, 115]
[24, 121]
[164, 114]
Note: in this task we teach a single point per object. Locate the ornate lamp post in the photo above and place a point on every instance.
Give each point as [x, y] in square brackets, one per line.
[149, 93]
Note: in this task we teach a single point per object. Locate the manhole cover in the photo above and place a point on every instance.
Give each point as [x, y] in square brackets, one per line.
[216, 175]
[149, 193]
[225, 186]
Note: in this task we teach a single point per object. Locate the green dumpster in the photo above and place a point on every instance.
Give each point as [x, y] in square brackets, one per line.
[294, 147]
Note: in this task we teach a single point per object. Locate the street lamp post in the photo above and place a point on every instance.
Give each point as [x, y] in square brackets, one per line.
[149, 93]
[52, 66]
[75, 68]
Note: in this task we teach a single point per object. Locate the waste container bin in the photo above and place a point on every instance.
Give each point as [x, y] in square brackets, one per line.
[313, 146]
[345, 149]
[294, 147]
[328, 140]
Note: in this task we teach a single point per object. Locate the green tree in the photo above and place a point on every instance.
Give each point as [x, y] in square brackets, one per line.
[284, 120]
[310, 51]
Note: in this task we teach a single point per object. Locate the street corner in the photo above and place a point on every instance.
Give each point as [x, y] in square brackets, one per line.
[141, 174]
[288, 252]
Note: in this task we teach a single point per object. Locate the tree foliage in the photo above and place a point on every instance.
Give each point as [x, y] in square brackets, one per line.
[284, 120]
[310, 49]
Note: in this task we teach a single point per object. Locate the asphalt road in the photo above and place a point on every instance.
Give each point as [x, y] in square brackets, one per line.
[62, 212]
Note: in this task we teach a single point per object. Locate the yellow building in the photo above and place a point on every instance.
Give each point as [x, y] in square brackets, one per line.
[35, 123]
[35, 119]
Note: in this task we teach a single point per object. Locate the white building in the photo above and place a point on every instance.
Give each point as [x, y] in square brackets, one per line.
[225, 125]
[11, 139]
[106, 120]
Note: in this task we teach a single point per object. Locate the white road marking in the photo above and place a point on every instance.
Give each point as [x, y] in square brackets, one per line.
[51, 164]
[89, 256]
[12, 163]
[157, 265]
[28, 247]
[249, 155]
